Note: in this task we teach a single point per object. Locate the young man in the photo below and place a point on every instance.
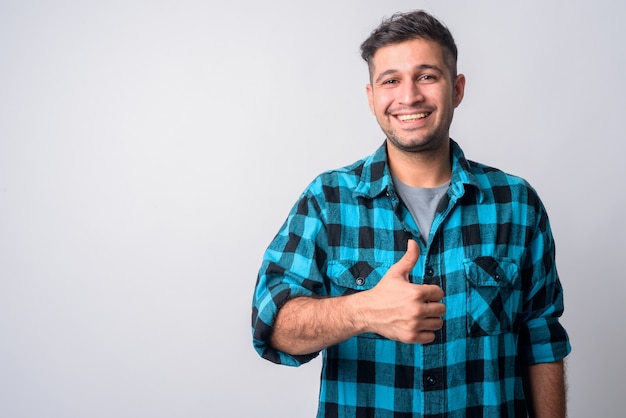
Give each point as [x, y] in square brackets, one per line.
[428, 281]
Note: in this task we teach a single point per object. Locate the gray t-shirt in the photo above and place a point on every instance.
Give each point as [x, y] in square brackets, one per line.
[422, 203]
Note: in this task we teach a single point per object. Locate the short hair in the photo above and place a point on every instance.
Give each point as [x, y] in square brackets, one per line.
[407, 26]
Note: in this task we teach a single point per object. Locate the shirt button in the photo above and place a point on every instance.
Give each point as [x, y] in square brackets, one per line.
[360, 281]
[430, 380]
[430, 272]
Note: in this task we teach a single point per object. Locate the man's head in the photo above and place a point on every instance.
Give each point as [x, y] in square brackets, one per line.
[414, 86]
[403, 27]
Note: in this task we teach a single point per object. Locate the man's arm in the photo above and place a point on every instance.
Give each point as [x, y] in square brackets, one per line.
[394, 308]
[306, 325]
[546, 384]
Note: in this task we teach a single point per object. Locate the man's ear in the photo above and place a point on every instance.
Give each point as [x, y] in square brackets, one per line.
[459, 89]
[370, 97]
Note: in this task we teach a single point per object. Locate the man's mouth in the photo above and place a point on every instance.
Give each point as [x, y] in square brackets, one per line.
[413, 117]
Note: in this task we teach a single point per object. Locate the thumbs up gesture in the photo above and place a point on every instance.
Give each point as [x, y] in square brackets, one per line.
[400, 310]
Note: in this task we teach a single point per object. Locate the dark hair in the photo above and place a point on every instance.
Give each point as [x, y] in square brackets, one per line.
[407, 26]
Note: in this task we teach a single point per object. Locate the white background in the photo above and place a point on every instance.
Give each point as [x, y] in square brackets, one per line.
[150, 150]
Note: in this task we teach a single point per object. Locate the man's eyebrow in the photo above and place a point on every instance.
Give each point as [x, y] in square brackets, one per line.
[421, 67]
[385, 74]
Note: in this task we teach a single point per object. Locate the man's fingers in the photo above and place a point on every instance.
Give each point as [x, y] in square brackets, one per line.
[432, 293]
[435, 310]
[404, 266]
[412, 252]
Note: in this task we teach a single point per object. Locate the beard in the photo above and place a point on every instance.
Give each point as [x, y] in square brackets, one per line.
[426, 139]
[418, 142]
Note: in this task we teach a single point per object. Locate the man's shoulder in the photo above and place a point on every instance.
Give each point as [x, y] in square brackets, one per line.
[349, 176]
[493, 176]
[480, 175]
[498, 186]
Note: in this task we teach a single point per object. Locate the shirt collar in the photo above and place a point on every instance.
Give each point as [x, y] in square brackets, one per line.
[375, 177]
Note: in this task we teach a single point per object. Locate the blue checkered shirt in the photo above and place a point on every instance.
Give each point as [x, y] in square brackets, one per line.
[491, 250]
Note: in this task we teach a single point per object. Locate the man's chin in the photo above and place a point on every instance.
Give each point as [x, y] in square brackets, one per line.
[416, 145]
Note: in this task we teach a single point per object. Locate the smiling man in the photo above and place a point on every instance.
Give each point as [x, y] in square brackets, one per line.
[427, 281]
[413, 93]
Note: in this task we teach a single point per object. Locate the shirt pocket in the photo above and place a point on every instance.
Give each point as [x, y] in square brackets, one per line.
[493, 295]
[348, 277]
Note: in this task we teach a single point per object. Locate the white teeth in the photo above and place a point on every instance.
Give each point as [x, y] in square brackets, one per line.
[409, 118]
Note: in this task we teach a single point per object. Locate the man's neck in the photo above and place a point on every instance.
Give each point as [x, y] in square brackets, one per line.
[421, 169]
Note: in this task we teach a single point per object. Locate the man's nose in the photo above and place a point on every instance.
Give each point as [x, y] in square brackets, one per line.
[410, 93]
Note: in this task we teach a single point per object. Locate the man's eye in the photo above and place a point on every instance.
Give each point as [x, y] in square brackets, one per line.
[427, 78]
[391, 81]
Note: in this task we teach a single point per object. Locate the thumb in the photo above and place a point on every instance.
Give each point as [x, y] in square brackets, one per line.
[409, 259]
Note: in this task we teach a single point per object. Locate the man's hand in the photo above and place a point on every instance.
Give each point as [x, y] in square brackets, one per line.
[400, 310]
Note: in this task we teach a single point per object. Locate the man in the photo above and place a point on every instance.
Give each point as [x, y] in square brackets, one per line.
[427, 281]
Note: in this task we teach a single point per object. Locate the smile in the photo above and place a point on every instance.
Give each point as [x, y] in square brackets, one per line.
[413, 117]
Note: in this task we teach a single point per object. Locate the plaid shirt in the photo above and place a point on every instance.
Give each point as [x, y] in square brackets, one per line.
[490, 249]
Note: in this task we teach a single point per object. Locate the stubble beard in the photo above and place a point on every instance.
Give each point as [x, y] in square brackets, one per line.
[431, 141]
[421, 142]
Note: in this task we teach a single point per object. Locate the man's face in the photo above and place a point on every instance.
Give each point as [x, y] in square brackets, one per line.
[413, 93]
